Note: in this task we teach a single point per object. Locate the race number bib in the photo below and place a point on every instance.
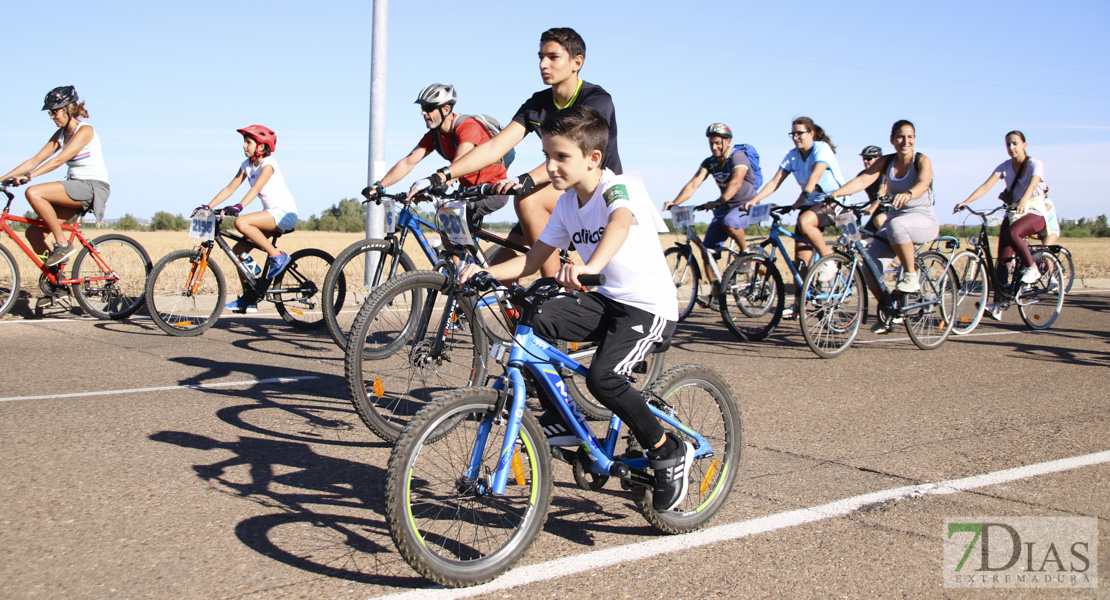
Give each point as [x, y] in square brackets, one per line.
[203, 226]
[389, 205]
[846, 222]
[759, 213]
[451, 218]
[682, 217]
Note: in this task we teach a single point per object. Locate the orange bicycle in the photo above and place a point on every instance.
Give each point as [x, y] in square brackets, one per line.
[107, 277]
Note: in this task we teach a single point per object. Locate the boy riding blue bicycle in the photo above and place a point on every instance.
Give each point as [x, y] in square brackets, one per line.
[615, 229]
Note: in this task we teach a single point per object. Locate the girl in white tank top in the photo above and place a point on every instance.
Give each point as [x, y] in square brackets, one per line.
[86, 187]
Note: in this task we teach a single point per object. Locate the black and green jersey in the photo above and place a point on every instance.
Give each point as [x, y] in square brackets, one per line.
[542, 103]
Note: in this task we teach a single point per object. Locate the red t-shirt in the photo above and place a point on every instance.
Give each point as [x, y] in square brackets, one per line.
[467, 130]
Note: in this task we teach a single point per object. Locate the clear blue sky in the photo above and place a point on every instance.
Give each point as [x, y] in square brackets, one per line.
[167, 85]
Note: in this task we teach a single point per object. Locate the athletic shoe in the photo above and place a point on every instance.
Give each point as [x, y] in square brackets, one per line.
[251, 309]
[826, 271]
[672, 474]
[790, 312]
[60, 254]
[240, 305]
[277, 265]
[881, 327]
[908, 284]
[1030, 275]
[992, 310]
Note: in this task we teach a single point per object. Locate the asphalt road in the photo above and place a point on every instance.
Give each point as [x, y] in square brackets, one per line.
[137, 465]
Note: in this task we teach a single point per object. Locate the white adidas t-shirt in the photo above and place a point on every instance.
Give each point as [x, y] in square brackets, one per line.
[274, 194]
[637, 274]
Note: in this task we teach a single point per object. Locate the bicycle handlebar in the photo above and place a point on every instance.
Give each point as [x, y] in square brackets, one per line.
[439, 192]
[859, 208]
[981, 214]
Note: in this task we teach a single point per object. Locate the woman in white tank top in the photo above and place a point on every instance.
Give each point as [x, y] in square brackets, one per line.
[76, 145]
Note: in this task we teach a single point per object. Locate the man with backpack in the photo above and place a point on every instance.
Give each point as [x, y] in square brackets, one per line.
[736, 171]
[451, 135]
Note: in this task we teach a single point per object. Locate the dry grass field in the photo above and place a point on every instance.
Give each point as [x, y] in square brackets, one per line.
[1091, 255]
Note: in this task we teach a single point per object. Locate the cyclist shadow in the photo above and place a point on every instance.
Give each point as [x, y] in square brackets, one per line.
[709, 335]
[577, 515]
[343, 540]
[277, 337]
[280, 398]
[1069, 355]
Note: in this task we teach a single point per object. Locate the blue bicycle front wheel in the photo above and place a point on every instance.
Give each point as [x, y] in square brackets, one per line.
[442, 513]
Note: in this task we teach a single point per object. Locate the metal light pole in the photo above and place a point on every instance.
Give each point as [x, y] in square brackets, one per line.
[375, 216]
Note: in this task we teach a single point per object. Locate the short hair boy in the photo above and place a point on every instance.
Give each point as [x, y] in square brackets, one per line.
[613, 227]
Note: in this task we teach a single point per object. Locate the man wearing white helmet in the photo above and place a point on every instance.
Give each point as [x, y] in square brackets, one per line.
[452, 136]
[736, 179]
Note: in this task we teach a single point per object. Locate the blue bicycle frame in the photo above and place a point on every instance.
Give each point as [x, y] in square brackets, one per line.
[774, 239]
[543, 361]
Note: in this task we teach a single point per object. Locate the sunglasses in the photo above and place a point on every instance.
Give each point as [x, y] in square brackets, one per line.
[794, 134]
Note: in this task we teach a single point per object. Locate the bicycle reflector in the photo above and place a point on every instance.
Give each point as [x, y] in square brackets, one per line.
[379, 387]
[708, 475]
[518, 468]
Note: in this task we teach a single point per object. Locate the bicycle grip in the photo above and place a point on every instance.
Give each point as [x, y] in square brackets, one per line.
[592, 280]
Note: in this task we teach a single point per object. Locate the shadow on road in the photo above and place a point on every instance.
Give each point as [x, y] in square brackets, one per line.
[343, 539]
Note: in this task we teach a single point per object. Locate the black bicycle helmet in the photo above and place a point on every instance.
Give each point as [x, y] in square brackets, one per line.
[719, 130]
[872, 152]
[59, 97]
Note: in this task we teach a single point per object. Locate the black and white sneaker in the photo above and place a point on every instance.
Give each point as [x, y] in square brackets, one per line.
[672, 473]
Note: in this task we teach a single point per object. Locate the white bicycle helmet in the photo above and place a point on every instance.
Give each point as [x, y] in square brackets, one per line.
[437, 94]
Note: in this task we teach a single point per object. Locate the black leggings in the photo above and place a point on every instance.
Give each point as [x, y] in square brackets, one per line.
[625, 335]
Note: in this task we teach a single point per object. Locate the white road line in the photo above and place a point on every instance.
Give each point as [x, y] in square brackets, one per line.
[953, 337]
[163, 389]
[600, 559]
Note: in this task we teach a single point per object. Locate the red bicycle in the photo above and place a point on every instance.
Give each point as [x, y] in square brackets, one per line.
[107, 276]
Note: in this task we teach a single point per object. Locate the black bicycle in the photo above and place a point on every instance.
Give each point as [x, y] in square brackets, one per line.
[1039, 303]
[186, 290]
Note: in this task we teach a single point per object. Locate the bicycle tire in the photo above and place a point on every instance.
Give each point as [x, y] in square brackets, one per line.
[703, 401]
[345, 271]
[576, 386]
[1040, 303]
[9, 281]
[973, 286]
[107, 299]
[178, 303]
[928, 326]
[303, 308]
[389, 372]
[444, 524]
[752, 299]
[685, 275]
[832, 311]
[1063, 256]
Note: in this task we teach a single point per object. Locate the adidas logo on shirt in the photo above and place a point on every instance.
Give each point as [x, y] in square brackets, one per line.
[638, 328]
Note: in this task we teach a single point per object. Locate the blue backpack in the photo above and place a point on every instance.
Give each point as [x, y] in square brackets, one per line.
[753, 158]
